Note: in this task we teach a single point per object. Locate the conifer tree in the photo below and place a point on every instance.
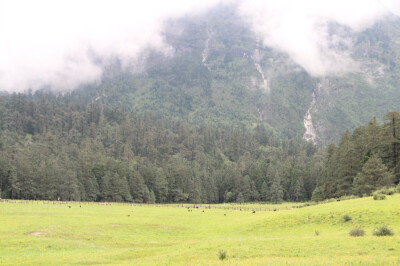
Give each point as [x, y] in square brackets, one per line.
[374, 175]
[276, 189]
[240, 198]
[264, 191]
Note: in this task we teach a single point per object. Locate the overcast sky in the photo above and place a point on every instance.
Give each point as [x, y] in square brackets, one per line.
[50, 42]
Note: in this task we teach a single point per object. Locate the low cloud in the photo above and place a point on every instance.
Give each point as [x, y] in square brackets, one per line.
[54, 43]
[301, 28]
[57, 43]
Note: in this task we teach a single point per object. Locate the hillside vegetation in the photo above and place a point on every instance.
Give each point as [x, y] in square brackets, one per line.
[363, 161]
[221, 73]
[55, 148]
[52, 147]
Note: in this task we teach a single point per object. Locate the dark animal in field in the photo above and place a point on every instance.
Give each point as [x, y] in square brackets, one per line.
[254, 211]
[69, 207]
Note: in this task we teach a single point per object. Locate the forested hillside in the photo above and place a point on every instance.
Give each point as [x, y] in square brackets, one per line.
[214, 113]
[365, 160]
[52, 147]
[221, 73]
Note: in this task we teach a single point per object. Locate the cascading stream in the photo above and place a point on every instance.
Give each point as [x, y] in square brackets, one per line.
[257, 59]
[206, 50]
[310, 135]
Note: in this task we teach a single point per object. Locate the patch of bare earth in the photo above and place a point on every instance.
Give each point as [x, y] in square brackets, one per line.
[38, 234]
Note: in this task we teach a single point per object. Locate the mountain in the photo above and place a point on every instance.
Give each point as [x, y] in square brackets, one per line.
[222, 74]
[220, 117]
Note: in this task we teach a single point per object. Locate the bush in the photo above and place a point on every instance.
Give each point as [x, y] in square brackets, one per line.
[398, 188]
[391, 191]
[383, 231]
[387, 191]
[222, 254]
[379, 196]
[346, 218]
[358, 231]
[349, 197]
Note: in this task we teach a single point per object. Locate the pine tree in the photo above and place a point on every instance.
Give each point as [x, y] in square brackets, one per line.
[161, 186]
[347, 165]
[68, 186]
[317, 194]
[374, 175]
[276, 189]
[152, 197]
[264, 191]
[240, 198]
[297, 189]
[136, 186]
[148, 195]
[392, 143]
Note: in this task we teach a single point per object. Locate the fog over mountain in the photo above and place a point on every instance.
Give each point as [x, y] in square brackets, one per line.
[64, 44]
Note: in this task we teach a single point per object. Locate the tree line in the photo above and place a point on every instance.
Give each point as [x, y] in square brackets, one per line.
[57, 147]
[363, 161]
[60, 147]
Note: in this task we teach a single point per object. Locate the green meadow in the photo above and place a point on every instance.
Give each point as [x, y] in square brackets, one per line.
[47, 233]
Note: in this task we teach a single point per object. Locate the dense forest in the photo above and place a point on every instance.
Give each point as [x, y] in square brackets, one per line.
[55, 147]
[363, 161]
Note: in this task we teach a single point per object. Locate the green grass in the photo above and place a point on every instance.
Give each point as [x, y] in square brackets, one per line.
[53, 234]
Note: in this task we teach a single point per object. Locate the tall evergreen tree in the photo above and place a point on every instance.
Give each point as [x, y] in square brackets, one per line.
[240, 198]
[374, 175]
[276, 189]
[264, 194]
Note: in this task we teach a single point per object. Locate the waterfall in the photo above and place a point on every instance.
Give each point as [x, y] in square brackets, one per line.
[310, 134]
[257, 59]
[206, 50]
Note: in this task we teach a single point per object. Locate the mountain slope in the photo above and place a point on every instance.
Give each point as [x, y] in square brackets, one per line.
[220, 73]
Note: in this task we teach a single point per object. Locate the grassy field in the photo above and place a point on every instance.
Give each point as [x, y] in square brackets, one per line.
[36, 233]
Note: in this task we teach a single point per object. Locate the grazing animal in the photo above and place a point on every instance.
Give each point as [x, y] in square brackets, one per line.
[254, 211]
[69, 207]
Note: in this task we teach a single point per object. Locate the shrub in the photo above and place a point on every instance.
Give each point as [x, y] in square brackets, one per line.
[382, 231]
[222, 254]
[391, 191]
[379, 196]
[398, 188]
[346, 218]
[387, 191]
[349, 197]
[358, 231]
